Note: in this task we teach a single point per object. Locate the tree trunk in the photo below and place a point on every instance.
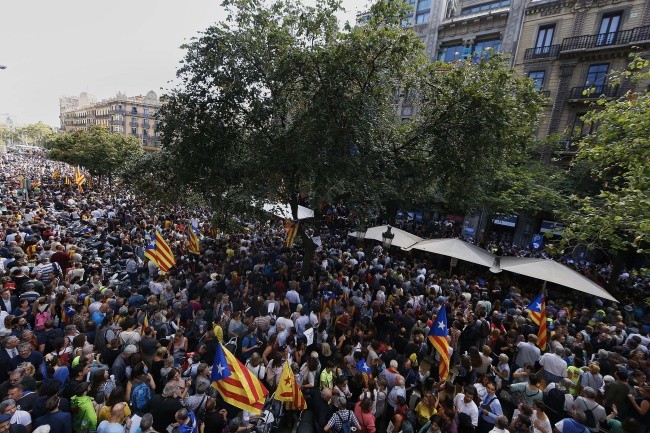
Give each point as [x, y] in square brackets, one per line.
[618, 263]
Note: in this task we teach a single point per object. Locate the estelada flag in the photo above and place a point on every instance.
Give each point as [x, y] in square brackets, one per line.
[236, 384]
[193, 244]
[288, 390]
[537, 311]
[56, 174]
[438, 338]
[291, 233]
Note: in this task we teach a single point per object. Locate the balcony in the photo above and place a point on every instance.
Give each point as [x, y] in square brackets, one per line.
[545, 93]
[583, 93]
[637, 35]
[133, 123]
[541, 53]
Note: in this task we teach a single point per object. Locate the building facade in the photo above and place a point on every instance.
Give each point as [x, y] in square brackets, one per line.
[134, 116]
[570, 47]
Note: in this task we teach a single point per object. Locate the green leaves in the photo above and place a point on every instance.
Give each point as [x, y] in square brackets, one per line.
[616, 217]
[279, 104]
[96, 149]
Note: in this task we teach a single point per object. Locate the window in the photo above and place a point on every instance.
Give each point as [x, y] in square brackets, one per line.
[579, 129]
[597, 76]
[134, 131]
[145, 111]
[422, 12]
[608, 30]
[451, 53]
[408, 20]
[134, 110]
[145, 133]
[483, 48]
[538, 78]
[544, 39]
[484, 7]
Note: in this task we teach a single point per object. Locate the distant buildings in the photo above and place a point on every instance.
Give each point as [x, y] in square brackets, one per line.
[121, 114]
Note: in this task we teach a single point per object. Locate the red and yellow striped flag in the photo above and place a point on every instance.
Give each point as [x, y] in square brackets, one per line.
[193, 243]
[159, 252]
[56, 174]
[438, 338]
[288, 390]
[537, 311]
[68, 181]
[236, 384]
[79, 177]
[145, 323]
[291, 233]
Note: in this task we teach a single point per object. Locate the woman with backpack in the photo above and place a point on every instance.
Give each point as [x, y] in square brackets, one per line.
[139, 389]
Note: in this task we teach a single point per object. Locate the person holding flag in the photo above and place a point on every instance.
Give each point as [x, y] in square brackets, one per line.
[288, 390]
[438, 337]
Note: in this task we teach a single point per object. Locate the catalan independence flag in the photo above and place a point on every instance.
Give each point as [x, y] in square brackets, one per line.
[158, 251]
[438, 338]
[145, 323]
[36, 184]
[68, 181]
[291, 233]
[56, 174]
[193, 246]
[236, 384]
[288, 390]
[537, 311]
[79, 177]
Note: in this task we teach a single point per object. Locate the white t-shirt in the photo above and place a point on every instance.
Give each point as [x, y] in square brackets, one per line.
[469, 409]
[554, 364]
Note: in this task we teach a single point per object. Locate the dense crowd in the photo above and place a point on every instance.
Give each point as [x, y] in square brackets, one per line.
[95, 338]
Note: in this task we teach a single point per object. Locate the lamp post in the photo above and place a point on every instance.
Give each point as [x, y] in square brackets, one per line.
[387, 237]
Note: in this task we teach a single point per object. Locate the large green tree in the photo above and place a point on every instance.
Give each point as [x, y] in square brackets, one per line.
[474, 132]
[616, 219]
[279, 104]
[97, 149]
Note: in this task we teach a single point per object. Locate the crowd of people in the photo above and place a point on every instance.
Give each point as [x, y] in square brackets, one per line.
[96, 338]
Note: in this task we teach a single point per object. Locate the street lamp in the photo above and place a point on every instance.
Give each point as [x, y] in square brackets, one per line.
[387, 237]
[496, 266]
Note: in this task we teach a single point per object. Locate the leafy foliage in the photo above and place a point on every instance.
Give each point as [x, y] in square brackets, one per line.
[617, 217]
[35, 134]
[475, 123]
[96, 149]
[278, 104]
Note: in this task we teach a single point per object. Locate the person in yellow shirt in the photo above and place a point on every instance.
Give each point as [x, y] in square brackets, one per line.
[327, 376]
[218, 332]
[426, 408]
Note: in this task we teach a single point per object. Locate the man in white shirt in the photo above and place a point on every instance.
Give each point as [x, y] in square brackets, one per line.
[555, 368]
[464, 403]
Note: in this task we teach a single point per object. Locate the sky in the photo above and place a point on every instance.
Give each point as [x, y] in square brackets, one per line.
[64, 47]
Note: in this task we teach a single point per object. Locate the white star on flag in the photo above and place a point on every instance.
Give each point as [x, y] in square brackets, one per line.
[441, 325]
[538, 306]
[221, 368]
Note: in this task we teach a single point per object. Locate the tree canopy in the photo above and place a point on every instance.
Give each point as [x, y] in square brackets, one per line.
[97, 149]
[278, 104]
[616, 219]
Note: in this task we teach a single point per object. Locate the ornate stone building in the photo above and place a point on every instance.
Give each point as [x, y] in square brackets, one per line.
[121, 115]
[570, 47]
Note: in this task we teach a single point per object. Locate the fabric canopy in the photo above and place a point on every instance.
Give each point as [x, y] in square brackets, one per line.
[453, 247]
[554, 272]
[402, 238]
[284, 211]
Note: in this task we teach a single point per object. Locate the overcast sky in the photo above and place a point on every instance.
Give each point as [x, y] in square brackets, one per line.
[65, 47]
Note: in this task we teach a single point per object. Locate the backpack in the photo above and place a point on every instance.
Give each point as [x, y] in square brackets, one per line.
[346, 426]
[554, 401]
[590, 421]
[200, 410]
[141, 397]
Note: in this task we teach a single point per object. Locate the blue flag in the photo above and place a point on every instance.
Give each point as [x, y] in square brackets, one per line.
[362, 366]
[220, 369]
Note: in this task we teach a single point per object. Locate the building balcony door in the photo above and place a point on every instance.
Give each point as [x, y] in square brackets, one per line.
[544, 40]
[609, 27]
